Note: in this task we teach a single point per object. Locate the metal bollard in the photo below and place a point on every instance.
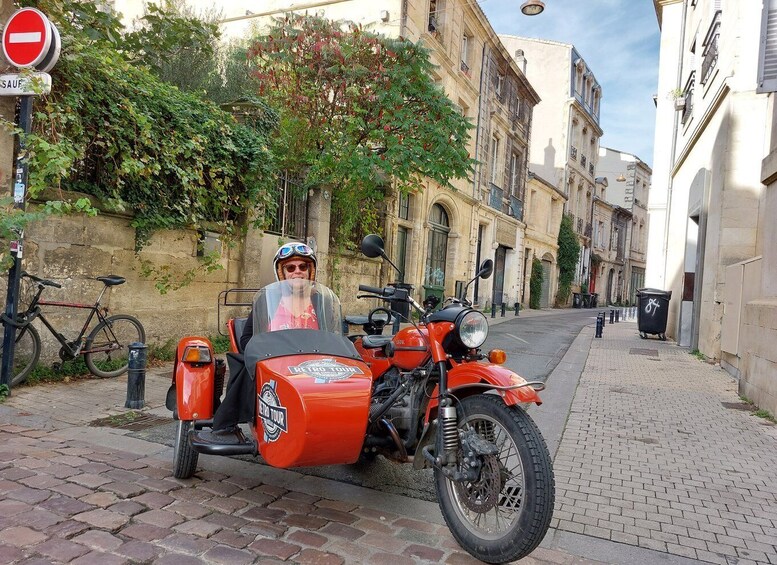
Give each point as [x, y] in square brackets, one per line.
[599, 324]
[603, 315]
[617, 315]
[612, 316]
[504, 307]
[517, 308]
[493, 310]
[136, 376]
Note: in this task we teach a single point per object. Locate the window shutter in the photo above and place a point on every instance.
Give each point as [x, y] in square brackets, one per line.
[767, 60]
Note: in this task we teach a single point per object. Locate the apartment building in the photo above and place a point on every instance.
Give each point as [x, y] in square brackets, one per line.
[566, 150]
[712, 201]
[628, 187]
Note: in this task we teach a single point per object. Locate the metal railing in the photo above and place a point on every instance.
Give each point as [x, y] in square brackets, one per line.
[290, 215]
[688, 97]
[710, 56]
[573, 152]
[496, 199]
[591, 168]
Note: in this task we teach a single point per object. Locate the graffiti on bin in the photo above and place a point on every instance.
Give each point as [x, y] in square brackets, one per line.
[652, 306]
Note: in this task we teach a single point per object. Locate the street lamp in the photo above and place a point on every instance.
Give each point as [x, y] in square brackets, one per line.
[532, 7]
[621, 178]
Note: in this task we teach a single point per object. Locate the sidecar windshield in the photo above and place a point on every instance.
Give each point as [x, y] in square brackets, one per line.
[294, 317]
[297, 304]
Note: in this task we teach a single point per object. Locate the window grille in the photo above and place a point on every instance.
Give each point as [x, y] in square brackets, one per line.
[291, 207]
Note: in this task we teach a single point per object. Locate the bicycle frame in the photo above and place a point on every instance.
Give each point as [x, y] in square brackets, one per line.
[33, 312]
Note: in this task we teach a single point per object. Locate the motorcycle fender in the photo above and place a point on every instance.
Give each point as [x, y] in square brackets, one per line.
[194, 382]
[461, 376]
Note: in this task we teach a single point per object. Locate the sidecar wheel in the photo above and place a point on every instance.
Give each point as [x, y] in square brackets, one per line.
[505, 514]
[184, 457]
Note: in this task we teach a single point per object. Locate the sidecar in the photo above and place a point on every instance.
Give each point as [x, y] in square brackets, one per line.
[305, 392]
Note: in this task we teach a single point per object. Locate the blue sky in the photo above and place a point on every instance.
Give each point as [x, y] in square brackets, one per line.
[619, 41]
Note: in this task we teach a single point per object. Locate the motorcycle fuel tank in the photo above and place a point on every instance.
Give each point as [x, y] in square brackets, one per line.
[311, 409]
[410, 348]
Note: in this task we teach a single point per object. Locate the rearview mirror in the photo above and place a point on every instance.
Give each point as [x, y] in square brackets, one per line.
[486, 269]
[372, 246]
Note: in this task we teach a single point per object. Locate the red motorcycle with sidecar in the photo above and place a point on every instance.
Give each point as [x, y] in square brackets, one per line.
[426, 396]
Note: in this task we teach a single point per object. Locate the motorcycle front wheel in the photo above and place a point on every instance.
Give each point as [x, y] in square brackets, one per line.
[504, 515]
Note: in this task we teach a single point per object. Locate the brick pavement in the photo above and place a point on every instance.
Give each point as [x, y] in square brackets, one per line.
[76, 494]
[651, 455]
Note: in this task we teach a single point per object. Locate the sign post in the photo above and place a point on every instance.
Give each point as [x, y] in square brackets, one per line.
[29, 40]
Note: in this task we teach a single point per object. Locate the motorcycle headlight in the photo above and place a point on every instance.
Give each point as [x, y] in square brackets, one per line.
[472, 329]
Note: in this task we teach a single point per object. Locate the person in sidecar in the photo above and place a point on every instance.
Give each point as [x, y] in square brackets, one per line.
[293, 261]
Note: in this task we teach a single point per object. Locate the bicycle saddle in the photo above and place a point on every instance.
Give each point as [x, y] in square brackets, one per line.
[112, 280]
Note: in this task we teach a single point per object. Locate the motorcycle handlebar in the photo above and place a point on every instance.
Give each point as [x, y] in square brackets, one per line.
[371, 289]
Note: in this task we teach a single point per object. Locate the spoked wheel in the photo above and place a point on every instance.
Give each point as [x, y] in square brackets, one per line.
[184, 457]
[504, 515]
[26, 353]
[107, 346]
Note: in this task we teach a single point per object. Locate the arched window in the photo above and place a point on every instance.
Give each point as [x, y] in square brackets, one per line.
[437, 254]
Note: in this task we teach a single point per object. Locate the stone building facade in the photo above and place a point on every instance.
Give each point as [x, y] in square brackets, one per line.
[712, 200]
[566, 150]
[629, 184]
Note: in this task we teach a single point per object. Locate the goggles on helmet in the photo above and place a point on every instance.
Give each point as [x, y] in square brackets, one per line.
[289, 249]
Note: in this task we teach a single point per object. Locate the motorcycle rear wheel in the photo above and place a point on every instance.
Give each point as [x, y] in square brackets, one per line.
[184, 456]
[505, 514]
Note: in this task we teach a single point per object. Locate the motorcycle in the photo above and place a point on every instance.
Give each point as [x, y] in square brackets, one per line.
[426, 395]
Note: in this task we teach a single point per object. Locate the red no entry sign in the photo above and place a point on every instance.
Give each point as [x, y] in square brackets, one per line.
[29, 37]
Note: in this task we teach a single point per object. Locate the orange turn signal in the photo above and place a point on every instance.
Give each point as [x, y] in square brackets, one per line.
[194, 354]
[497, 356]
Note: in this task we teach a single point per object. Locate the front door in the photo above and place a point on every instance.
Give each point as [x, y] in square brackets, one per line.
[499, 275]
[547, 267]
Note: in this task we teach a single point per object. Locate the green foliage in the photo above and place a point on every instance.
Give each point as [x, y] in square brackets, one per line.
[166, 279]
[357, 109]
[535, 284]
[220, 343]
[4, 392]
[568, 253]
[162, 352]
[112, 129]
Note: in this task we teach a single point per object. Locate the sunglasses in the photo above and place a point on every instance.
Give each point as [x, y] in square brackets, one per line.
[303, 268]
[294, 248]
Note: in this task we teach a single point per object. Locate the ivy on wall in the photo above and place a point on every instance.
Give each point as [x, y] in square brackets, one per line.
[535, 284]
[568, 253]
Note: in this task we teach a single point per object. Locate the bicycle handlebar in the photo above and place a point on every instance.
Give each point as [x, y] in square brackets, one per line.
[44, 282]
[372, 289]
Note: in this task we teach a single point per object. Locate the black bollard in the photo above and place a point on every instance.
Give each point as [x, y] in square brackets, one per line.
[136, 376]
[504, 307]
[618, 315]
[493, 310]
[602, 314]
[599, 324]
[612, 316]
[517, 308]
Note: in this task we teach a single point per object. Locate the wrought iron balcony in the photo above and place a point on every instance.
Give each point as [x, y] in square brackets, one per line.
[580, 225]
[583, 160]
[573, 152]
[688, 97]
[710, 56]
[591, 168]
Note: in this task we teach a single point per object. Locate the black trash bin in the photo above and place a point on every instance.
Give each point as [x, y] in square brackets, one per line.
[594, 299]
[652, 312]
[576, 302]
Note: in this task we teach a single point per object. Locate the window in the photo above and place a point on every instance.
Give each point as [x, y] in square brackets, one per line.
[516, 161]
[466, 39]
[435, 11]
[403, 236]
[767, 59]
[404, 206]
[291, 206]
[688, 97]
[499, 89]
[494, 159]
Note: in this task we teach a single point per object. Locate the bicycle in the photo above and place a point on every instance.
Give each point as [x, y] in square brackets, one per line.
[104, 349]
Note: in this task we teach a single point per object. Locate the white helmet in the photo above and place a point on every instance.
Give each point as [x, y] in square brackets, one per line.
[294, 249]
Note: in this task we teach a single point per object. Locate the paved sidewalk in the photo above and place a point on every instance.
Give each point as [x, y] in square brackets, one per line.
[655, 463]
[659, 452]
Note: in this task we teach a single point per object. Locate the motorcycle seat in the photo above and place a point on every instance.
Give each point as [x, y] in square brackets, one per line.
[375, 341]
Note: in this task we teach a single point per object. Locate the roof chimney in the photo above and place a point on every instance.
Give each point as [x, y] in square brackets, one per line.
[520, 58]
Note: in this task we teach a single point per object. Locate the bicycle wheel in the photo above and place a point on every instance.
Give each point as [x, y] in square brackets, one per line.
[106, 348]
[26, 353]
